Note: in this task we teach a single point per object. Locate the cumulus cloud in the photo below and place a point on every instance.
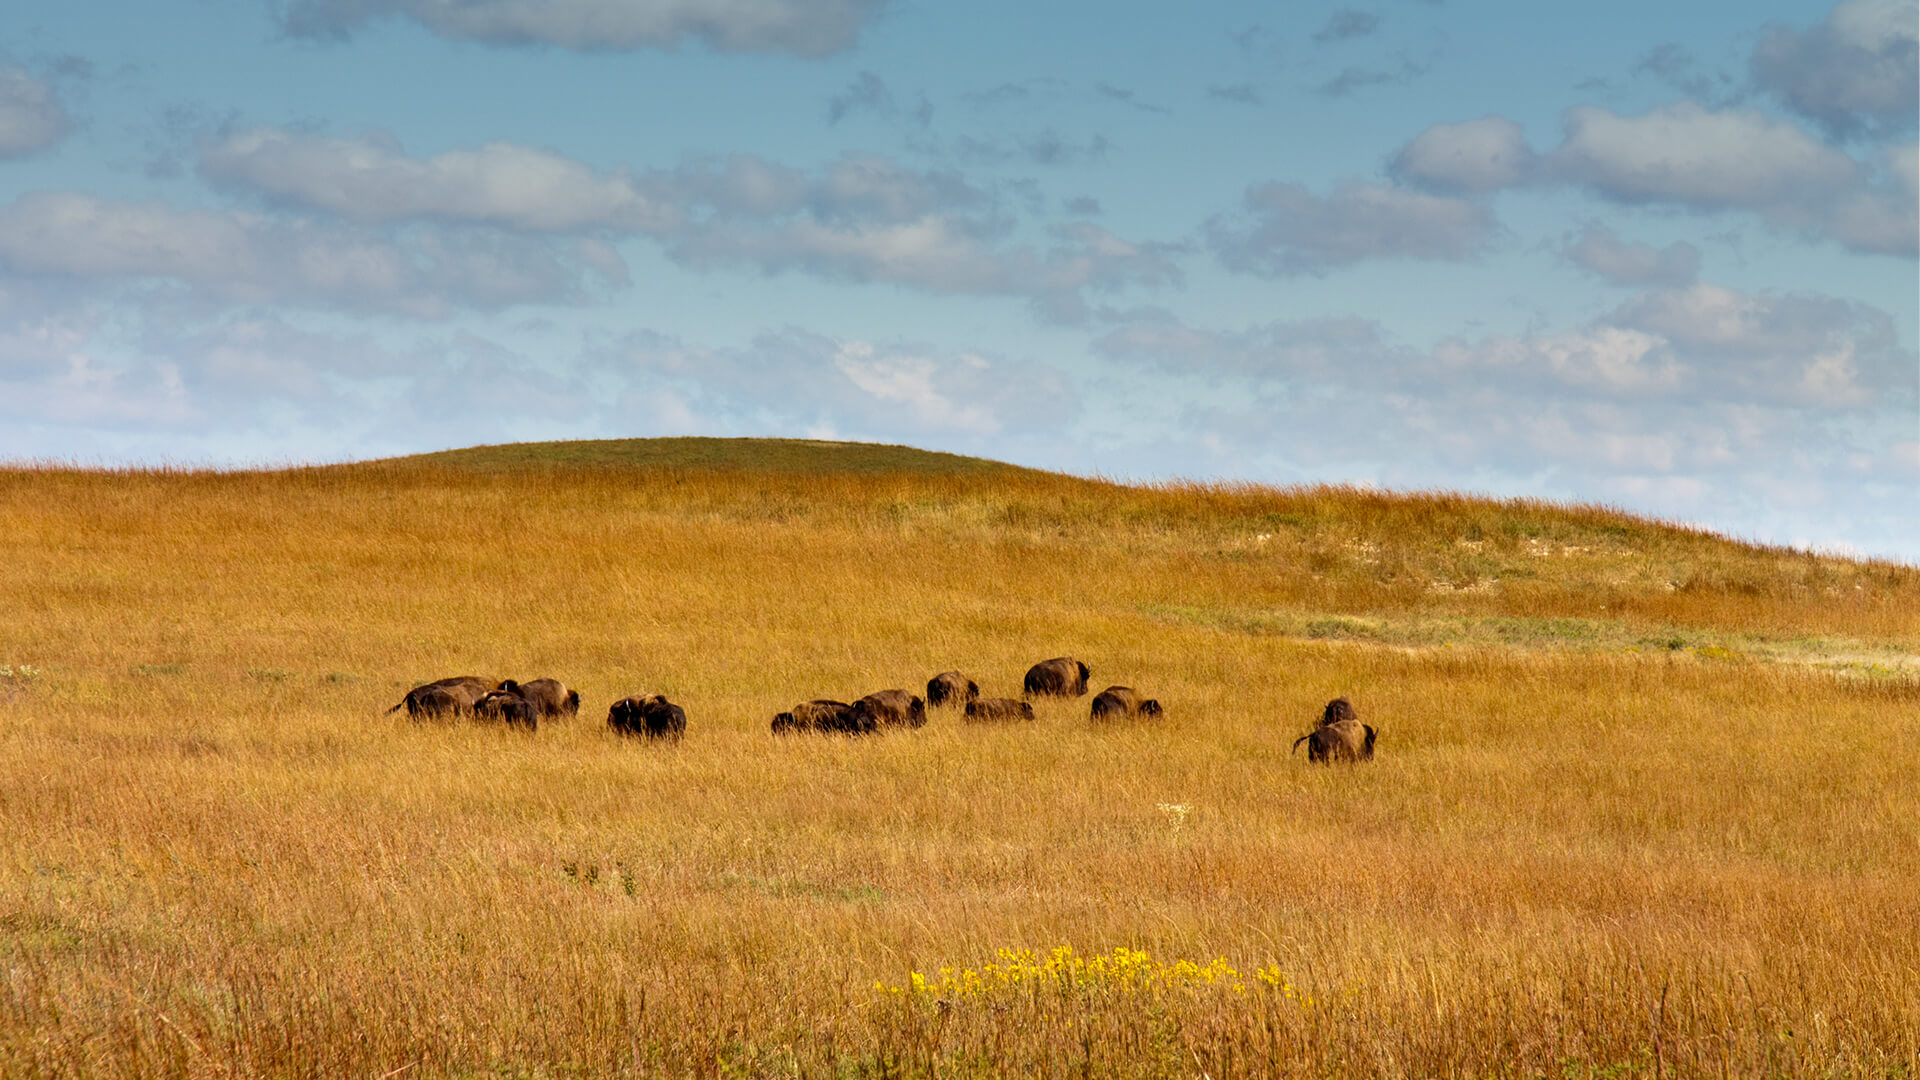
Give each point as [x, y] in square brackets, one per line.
[245, 258]
[800, 27]
[1625, 262]
[1856, 73]
[1479, 155]
[862, 218]
[1286, 229]
[373, 180]
[1699, 399]
[1688, 156]
[31, 115]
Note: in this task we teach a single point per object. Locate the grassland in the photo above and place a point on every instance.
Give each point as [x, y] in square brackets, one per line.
[1645, 802]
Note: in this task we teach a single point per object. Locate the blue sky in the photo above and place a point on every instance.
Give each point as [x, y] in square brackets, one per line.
[1652, 255]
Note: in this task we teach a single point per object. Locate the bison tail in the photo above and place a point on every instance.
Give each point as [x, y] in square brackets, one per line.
[1297, 742]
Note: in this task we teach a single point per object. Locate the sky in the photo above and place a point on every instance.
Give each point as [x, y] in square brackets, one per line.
[1651, 255]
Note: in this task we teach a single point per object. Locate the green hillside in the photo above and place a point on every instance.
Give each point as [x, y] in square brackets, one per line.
[768, 455]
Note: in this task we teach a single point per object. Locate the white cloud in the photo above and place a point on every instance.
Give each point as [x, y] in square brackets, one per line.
[1857, 72]
[862, 218]
[373, 180]
[1625, 262]
[248, 258]
[1479, 155]
[1693, 384]
[1289, 230]
[31, 116]
[1689, 155]
[799, 381]
[802, 27]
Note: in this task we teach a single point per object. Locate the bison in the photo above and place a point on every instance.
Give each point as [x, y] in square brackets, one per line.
[823, 714]
[890, 708]
[651, 716]
[442, 697]
[1337, 710]
[1340, 737]
[999, 708]
[511, 708]
[1062, 676]
[951, 686]
[549, 697]
[1121, 702]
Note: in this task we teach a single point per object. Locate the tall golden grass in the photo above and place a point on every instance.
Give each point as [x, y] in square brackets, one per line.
[1638, 831]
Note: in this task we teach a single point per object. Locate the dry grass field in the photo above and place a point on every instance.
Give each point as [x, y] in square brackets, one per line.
[1646, 800]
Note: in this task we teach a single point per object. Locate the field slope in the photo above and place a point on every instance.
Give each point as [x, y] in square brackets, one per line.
[1644, 803]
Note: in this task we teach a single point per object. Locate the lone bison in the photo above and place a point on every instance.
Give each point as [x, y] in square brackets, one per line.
[1062, 676]
[445, 696]
[651, 716]
[998, 708]
[890, 708]
[508, 707]
[549, 697]
[1340, 737]
[951, 686]
[822, 714]
[1121, 702]
[1337, 710]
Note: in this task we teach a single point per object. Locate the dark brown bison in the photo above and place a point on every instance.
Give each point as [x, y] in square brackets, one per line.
[1337, 710]
[549, 697]
[1062, 676]
[891, 708]
[651, 716]
[951, 686]
[444, 697]
[1340, 737]
[1121, 702]
[508, 707]
[998, 708]
[822, 714]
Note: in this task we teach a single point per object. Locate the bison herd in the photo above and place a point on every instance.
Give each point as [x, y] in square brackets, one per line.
[1340, 736]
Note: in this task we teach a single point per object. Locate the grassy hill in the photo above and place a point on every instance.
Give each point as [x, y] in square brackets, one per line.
[1643, 803]
[755, 455]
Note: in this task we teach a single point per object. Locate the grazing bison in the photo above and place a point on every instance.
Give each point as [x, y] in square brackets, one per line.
[508, 707]
[549, 697]
[1062, 676]
[651, 716]
[1121, 702]
[951, 686]
[822, 714]
[1340, 737]
[998, 708]
[444, 696]
[891, 708]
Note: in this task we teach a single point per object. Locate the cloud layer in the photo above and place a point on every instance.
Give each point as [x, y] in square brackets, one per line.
[801, 27]
[31, 115]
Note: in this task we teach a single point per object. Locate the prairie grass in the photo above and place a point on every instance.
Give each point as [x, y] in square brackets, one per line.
[1622, 822]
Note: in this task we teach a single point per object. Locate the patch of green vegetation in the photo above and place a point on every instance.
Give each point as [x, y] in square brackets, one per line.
[768, 455]
[150, 670]
[1857, 659]
[270, 674]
